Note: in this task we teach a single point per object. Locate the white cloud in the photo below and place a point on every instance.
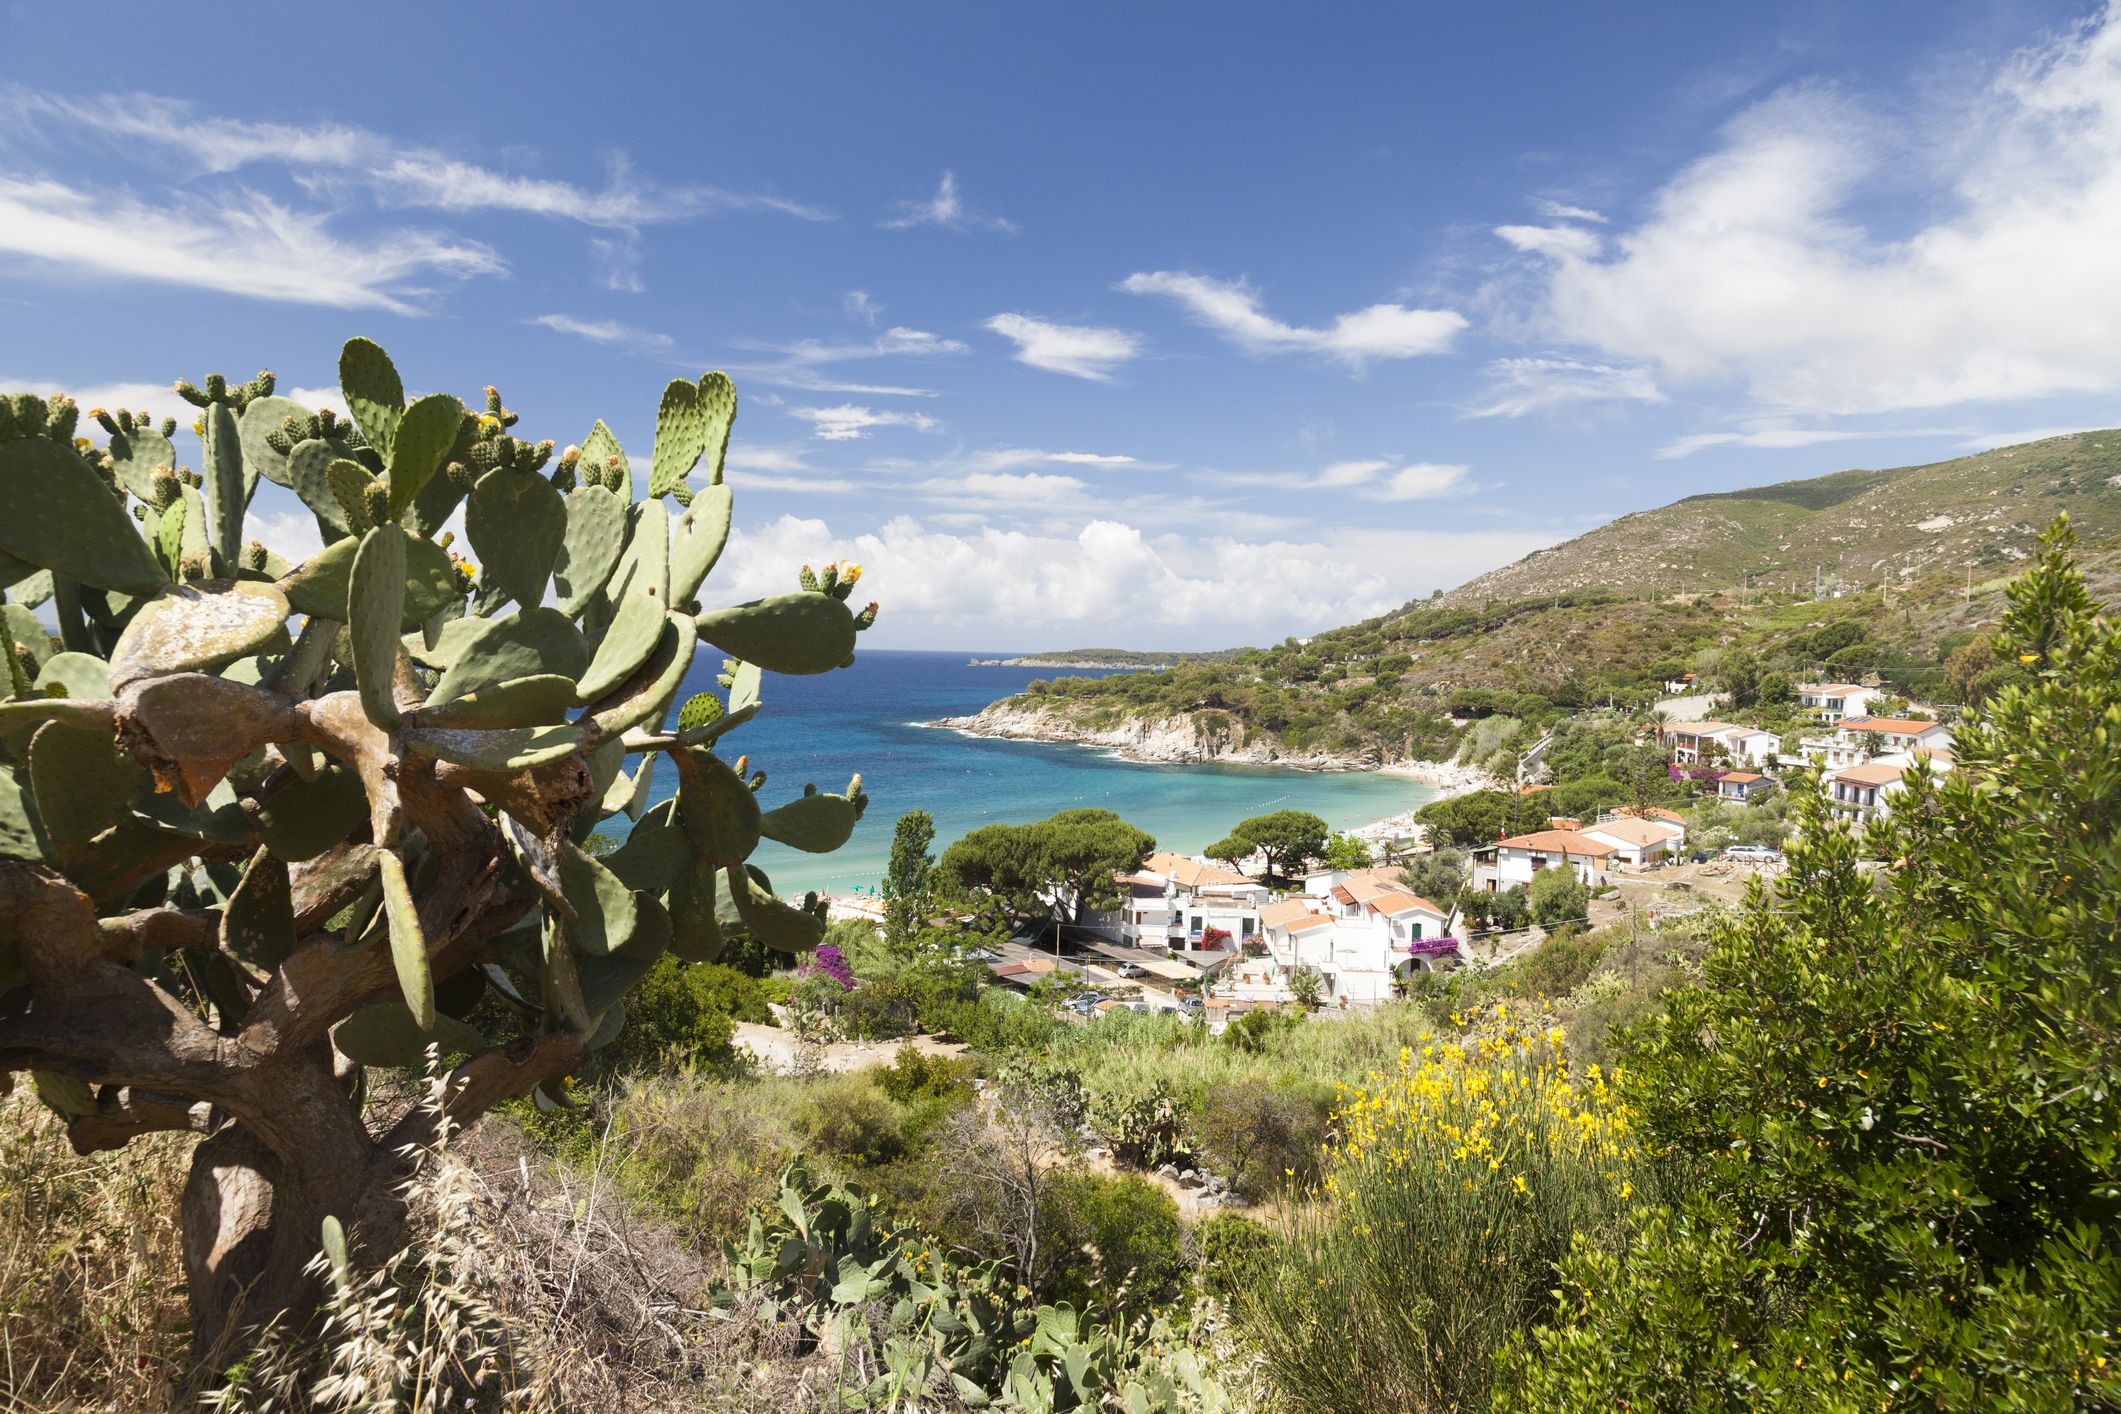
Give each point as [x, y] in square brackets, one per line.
[859, 306]
[847, 421]
[1561, 211]
[604, 331]
[399, 174]
[1090, 458]
[1232, 309]
[1989, 441]
[800, 363]
[946, 209]
[1082, 351]
[246, 245]
[618, 263]
[1108, 581]
[1422, 481]
[1522, 385]
[1768, 263]
[1572, 242]
[1025, 489]
[1777, 439]
[1354, 473]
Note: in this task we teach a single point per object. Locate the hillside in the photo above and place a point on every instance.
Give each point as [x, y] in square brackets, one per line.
[1708, 585]
[1978, 513]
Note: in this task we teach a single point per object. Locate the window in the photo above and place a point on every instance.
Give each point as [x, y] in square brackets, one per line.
[1248, 927]
[1193, 925]
[1417, 932]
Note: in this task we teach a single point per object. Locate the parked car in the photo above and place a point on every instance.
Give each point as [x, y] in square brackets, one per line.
[1753, 854]
[1190, 1003]
[1703, 856]
[1131, 969]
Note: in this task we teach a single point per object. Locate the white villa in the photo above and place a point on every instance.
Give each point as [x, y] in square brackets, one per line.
[1517, 859]
[1689, 742]
[1172, 903]
[1358, 929]
[1899, 737]
[1637, 841]
[1858, 793]
[1835, 700]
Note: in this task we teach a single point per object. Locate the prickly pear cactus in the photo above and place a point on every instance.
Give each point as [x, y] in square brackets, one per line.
[253, 813]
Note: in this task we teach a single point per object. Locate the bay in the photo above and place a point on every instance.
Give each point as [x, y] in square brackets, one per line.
[866, 719]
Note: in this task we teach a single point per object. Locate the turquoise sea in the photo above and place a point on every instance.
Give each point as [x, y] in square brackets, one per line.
[864, 718]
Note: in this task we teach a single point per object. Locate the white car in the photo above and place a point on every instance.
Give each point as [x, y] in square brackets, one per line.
[1130, 969]
[1753, 854]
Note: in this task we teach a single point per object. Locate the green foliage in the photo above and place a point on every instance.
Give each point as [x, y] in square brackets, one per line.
[1265, 1137]
[909, 879]
[1557, 897]
[1436, 876]
[1256, 1031]
[1122, 1241]
[1287, 838]
[1346, 852]
[848, 1118]
[1481, 817]
[1232, 1252]
[1887, 1109]
[1070, 858]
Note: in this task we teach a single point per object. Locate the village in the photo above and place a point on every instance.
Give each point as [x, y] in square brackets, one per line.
[1217, 938]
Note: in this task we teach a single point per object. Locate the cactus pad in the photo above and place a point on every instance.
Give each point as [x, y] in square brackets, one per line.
[633, 635]
[408, 944]
[500, 749]
[654, 854]
[374, 393]
[258, 925]
[718, 396]
[605, 914]
[81, 782]
[424, 435]
[789, 633]
[520, 702]
[306, 818]
[375, 609]
[387, 1033]
[590, 550]
[517, 524]
[82, 676]
[599, 450]
[136, 452]
[696, 933]
[528, 643]
[193, 627]
[321, 584]
[262, 417]
[680, 436]
[718, 811]
[696, 541]
[56, 513]
[815, 823]
[228, 484]
[309, 476]
[648, 693]
[645, 567]
[772, 922]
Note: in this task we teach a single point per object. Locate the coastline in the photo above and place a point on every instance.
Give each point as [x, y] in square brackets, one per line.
[1175, 741]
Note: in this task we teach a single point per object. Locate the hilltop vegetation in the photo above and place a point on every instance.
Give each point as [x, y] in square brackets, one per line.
[1606, 619]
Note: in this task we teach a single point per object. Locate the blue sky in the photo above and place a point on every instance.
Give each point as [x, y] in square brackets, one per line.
[1154, 326]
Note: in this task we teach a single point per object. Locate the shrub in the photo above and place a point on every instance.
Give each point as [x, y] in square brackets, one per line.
[1458, 1181]
[1262, 1137]
[847, 1117]
[1115, 1241]
[1257, 1029]
[915, 1074]
[681, 1014]
[1557, 897]
[1558, 966]
[1229, 1253]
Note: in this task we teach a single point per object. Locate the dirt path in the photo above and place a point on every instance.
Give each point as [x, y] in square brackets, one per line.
[778, 1051]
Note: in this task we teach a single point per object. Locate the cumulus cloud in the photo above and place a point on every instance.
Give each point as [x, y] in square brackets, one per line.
[849, 421]
[947, 210]
[1081, 351]
[1233, 309]
[1111, 581]
[1765, 263]
[244, 245]
[1517, 386]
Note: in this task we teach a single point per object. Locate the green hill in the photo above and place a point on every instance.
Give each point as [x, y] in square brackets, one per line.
[1975, 514]
[1911, 566]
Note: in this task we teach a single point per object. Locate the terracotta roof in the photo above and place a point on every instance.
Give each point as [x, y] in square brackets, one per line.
[1292, 915]
[1340, 892]
[1744, 778]
[1633, 831]
[1392, 905]
[1532, 790]
[1878, 773]
[1843, 688]
[1191, 873]
[1700, 728]
[1655, 812]
[1899, 726]
[1561, 842]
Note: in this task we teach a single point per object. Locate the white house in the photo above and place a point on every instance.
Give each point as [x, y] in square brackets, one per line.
[1738, 787]
[1859, 793]
[1638, 842]
[1358, 930]
[1173, 902]
[1894, 735]
[1689, 742]
[1517, 859]
[1835, 700]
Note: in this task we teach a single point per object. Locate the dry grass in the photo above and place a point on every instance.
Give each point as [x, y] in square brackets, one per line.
[92, 1310]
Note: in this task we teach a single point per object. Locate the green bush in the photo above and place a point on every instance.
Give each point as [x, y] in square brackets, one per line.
[915, 1074]
[1262, 1138]
[1557, 897]
[846, 1117]
[1117, 1242]
[1257, 1029]
[1229, 1254]
[680, 1014]
[1556, 967]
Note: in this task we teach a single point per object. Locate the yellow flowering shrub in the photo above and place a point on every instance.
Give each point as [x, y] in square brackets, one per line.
[1454, 1183]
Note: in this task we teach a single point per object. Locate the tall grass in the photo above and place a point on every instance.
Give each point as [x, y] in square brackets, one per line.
[1458, 1179]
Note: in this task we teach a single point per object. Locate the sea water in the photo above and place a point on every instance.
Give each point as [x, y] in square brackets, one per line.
[868, 718]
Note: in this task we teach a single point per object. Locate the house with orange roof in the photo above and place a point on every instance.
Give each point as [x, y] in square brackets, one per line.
[1636, 841]
[1860, 793]
[1518, 858]
[1738, 787]
[1358, 930]
[1175, 902]
[1860, 739]
[1835, 700]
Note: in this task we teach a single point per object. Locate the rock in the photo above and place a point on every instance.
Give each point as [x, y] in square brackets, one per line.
[1167, 1171]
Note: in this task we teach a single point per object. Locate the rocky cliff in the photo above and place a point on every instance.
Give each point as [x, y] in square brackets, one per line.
[1167, 739]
